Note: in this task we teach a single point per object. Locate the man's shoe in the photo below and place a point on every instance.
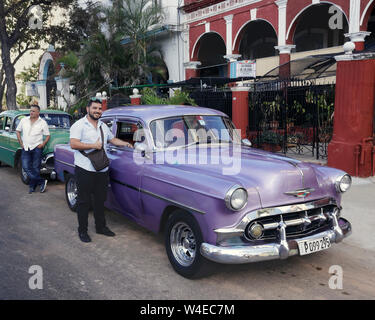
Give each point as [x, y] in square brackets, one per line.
[84, 237]
[43, 186]
[105, 231]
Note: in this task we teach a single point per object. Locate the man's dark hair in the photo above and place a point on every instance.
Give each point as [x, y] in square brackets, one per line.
[35, 106]
[93, 100]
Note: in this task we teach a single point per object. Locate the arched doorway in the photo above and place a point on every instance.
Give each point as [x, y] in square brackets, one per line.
[316, 28]
[211, 54]
[257, 40]
[51, 85]
[370, 40]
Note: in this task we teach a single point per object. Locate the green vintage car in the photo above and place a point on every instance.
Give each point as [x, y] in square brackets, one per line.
[59, 123]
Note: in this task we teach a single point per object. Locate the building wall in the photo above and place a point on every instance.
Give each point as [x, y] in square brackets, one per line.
[282, 15]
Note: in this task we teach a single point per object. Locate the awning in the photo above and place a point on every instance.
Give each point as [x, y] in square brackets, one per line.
[311, 67]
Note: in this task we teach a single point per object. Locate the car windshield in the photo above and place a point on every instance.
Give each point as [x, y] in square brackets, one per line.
[183, 131]
[53, 120]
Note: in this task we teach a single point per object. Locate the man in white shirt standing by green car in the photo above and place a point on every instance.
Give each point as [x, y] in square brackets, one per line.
[33, 128]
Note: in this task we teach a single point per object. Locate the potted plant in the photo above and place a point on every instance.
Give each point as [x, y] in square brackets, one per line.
[270, 141]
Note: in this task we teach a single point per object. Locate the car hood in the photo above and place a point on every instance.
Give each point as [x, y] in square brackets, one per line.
[58, 136]
[271, 175]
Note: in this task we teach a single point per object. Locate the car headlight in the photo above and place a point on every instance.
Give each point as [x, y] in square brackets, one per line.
[236, 198]
[343, 183]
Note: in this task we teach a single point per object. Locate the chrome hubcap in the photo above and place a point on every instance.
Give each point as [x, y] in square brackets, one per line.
[72, 192]
[183, 244]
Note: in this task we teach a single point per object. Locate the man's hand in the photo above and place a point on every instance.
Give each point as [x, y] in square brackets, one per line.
[98, 144]
[40, 146]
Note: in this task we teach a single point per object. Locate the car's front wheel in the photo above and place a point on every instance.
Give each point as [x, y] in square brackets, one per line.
[183, 239]
[71, 192]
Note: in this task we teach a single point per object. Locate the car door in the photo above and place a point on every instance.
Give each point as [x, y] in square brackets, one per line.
[2, 139]
[7, 152]
[125, 173]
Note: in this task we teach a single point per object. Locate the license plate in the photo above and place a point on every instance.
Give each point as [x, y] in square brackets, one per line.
[311, 246]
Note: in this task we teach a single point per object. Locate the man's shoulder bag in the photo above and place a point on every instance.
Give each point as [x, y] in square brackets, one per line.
[98, 158]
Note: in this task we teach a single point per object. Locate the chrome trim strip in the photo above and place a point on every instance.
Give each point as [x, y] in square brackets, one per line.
[66, 163]
[240, 254]
[178, 204]
[8, 149]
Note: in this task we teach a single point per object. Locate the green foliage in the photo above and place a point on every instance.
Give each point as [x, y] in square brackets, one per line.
[271, 137]
[29, 74]
[181, 97]
[149, 96]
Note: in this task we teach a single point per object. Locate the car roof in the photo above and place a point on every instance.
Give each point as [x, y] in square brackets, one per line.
[13, 113]
[151, 112]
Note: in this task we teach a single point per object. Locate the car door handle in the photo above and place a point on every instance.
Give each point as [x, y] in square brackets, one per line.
[111, 149]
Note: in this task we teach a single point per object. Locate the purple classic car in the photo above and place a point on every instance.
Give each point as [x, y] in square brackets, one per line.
[214, 197]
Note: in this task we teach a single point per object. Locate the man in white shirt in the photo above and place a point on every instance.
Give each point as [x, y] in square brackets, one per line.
[85, 135]
[33, 128]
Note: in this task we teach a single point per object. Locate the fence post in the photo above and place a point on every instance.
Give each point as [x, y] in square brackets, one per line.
[240, 108]
[354, 114]
[135, 99]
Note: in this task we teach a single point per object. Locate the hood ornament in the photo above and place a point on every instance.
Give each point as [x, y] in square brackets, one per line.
[301, 193]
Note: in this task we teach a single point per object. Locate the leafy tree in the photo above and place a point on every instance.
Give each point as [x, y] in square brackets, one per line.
[103, 60]
[23, 27]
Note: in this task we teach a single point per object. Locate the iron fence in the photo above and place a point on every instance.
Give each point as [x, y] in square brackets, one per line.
[215, 99]
[292, 116]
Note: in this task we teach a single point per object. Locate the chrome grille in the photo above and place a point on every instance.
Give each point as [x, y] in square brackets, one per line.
[298, 224]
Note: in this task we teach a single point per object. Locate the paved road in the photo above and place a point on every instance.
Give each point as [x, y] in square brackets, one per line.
[39, 229]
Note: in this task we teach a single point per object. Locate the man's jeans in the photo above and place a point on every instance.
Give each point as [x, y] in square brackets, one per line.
[31, 161]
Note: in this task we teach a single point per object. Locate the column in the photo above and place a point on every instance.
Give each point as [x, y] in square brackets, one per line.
[63, 92]
[240, 108]
[284, 58]
[358, 38]
[42, 91]
[229, 32]
[351, 146]
[191, 69]
[283, 48]
[355, 34]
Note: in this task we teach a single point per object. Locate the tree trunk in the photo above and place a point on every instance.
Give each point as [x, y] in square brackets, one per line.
[9, 78]
[2, 88]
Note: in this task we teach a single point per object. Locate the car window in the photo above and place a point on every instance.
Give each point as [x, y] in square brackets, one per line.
[2, 118]
[8, 122]
[57, 120]
[108, 122]
[17, 121]
[130, 131]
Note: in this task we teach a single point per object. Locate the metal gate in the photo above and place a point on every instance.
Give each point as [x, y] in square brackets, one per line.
[292, 116]
[218, 100]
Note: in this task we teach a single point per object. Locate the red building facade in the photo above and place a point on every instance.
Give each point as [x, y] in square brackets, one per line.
[251, 29]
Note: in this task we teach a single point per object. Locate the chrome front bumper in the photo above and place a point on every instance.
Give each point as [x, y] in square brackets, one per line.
[283, 249]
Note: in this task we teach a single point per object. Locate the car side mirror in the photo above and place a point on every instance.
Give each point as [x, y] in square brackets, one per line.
[246, 142]
[7, 129]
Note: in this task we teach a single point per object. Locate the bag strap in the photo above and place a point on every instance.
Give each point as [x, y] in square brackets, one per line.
[102, 135]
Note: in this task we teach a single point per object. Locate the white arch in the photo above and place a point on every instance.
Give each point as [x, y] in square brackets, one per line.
[310, 5]
[200, 37]
[44, 62]
[247, 23]
[365, 11]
